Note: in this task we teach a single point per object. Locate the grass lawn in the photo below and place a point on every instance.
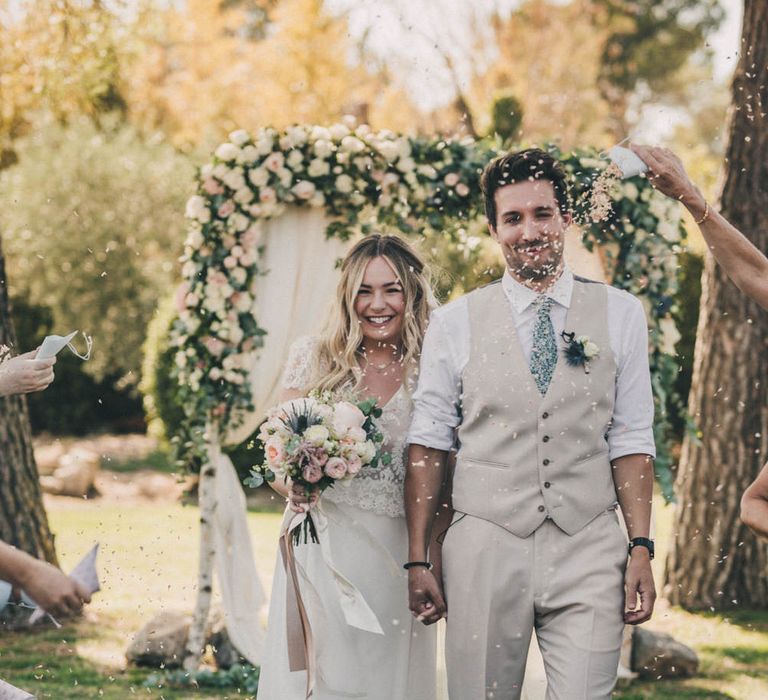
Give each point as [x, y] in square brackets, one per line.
[148, 560]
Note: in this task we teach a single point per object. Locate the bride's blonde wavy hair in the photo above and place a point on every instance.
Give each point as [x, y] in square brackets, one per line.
[337, 355]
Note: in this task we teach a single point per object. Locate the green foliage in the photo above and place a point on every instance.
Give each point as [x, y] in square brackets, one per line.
[686, 315]
[164, 414]
[76, 403]
[240, 677]
[506, 116]
[650, 40]
[92, 224]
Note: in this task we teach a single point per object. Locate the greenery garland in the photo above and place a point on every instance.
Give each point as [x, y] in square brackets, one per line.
[366, 181]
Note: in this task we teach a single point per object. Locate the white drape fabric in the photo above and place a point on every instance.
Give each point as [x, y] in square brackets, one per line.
[293, 297]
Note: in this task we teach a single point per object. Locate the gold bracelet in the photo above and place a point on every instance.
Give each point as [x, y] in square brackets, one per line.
[704, 216]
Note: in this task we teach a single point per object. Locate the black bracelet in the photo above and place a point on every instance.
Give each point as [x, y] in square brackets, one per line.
[412, 564]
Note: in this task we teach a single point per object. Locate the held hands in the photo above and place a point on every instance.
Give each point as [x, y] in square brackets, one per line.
[638, 584]
[24, 374]
[667, 174]
[425, 595]
[300, 500]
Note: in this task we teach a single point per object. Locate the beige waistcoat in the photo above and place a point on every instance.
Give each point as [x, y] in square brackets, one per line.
[524, 457]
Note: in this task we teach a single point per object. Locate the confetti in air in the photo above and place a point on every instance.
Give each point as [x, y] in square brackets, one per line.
[600, 202]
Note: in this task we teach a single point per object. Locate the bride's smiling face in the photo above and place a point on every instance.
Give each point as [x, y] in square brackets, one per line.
[380, 302]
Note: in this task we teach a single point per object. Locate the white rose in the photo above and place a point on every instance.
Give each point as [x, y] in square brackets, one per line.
[181, 360]
[591, 350]
[258, 177]
[320, 133]
[215, 374]
[366, 451]
[239, 275]
[403, 147]
[451, 179]
[194, 239]
[227, 151]
[323, 148]
[234, 179]
[250, 154]
[344, 184]
[318, 168]
[244, 196]
[239, 137]
[244, 301]
[285, 176]
[239, 221]
[303, 189]
[338, 131]
[318, 199]
[297, 136]
[219, 171]
[264, 143]
[352, 144]
[427, 171]
[197, 208]
[206, 171]
[389, 150]
[406, 165]
[316, 435]
[295, 159]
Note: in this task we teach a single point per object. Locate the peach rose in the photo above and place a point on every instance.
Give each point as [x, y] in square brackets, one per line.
[336, 468]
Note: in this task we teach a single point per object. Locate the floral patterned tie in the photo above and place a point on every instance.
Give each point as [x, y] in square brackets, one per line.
[544, 351]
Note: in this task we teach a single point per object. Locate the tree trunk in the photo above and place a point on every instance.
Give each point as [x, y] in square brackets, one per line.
[23, 522]
[715, 562]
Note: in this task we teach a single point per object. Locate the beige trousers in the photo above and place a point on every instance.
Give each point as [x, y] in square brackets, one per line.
[500, 587]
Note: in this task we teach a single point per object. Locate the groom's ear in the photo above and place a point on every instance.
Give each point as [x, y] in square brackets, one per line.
[567, 218]
[492, 231]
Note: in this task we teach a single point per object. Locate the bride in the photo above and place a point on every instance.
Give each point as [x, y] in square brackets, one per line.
[371, 344]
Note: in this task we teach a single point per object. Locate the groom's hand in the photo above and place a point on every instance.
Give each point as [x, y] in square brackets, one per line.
[425, 595]
[639, 588]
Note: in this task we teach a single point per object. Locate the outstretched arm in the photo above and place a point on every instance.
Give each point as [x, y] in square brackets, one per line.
[746, 266]
[48, 586]
[754, 504]
[633, 478]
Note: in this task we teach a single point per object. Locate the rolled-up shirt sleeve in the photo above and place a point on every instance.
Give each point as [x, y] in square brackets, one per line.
[631, 431]
[436, 401]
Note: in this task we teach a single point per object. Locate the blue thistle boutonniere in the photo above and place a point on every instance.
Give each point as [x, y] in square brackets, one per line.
[579, 350]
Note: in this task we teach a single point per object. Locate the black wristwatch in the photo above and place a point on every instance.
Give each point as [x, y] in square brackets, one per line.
[642, 542]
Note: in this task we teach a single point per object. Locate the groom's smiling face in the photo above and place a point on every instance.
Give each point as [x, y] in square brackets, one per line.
[530, 229]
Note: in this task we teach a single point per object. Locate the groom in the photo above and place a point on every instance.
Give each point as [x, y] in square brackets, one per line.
[543, 378]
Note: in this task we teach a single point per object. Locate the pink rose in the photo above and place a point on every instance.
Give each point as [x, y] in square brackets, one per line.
[345, 417]
[211, 186]
[274, 451]
[462, 190]
[250, 237]
[451, 179]
[226, 209]
[228, 240]
[254, 210]
[191, 300]
[230, 262]
[181, 295]
[267, 195]
[213, 345]
[336, 468]
[274, 161]
[354, 464]
[312, 473]
[320, 458]
[248, 258]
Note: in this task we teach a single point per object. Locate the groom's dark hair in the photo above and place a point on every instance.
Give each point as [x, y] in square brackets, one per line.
[530, 164]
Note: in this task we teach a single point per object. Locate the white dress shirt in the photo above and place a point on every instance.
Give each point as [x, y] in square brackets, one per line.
[446, 350]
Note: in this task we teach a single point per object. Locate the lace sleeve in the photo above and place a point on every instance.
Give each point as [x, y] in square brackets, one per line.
[301, 359]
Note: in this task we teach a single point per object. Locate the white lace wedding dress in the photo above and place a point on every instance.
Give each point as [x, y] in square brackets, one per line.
[368, 540]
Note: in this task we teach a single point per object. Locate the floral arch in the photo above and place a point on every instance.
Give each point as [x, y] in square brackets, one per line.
[363, 180]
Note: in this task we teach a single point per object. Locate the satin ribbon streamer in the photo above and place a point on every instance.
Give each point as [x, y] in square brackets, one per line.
[357, 612]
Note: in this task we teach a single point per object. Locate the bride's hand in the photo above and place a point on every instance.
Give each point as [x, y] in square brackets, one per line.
[425, 595]
[300, 500]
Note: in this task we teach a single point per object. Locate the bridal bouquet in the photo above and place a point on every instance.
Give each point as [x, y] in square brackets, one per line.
[316, 442]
